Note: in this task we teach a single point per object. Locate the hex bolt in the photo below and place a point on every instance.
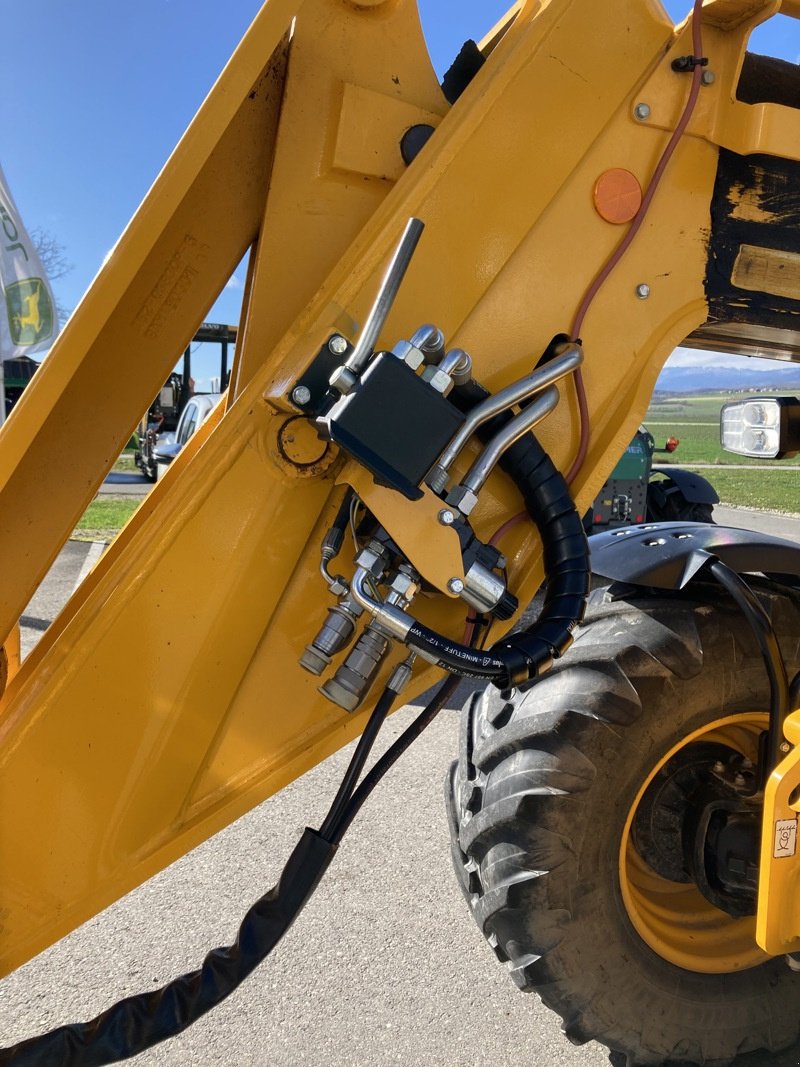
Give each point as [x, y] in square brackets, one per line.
[785, 747]
[708, 77]
[739, 779]
[643, 290]
[719, 767]
[455, 585]
[642, 111]
[301, 395]
[337, 345]
[447, 517]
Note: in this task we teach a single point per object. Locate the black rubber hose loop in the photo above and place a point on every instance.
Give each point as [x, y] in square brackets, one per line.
[515, 660]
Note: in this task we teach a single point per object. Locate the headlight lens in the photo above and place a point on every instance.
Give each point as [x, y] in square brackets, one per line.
[765, 428]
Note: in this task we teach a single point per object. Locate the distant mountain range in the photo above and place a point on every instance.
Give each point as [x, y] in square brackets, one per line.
[780, 378]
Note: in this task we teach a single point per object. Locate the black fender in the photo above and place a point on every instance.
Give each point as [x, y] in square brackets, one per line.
[695, 488]
[667, 555]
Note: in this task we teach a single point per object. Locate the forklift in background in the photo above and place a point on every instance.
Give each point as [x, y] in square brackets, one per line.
[165, 411]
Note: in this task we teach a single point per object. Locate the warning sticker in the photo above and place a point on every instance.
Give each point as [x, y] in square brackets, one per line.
[785, 838]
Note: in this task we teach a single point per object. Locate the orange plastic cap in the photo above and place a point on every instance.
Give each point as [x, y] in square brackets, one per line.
[617, 195]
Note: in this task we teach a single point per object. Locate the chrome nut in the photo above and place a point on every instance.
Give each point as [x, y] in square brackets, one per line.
[410, 354]
[462, 498]
[437, 379]
[343, 380]
[372, 559]
[405, 585]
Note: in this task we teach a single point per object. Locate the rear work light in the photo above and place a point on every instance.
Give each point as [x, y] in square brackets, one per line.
[767, 428]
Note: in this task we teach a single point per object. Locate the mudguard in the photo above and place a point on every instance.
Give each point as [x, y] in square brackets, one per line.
[667, 555]
[695, 488]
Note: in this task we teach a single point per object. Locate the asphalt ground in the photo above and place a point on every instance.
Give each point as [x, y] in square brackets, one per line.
[125, 483]
[384, 966]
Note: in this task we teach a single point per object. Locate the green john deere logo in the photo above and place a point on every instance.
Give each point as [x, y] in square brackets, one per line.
[30, 311]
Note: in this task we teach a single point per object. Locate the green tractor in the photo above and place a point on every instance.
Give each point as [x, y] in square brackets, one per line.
[636, 491]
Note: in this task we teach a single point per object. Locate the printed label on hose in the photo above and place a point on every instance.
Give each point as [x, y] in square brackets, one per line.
[479, 660]
[464, 672]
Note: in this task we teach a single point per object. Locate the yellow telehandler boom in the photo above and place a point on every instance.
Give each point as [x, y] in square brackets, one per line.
[431, 276]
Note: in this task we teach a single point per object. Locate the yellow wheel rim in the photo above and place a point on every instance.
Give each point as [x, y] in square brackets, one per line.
[674, 918]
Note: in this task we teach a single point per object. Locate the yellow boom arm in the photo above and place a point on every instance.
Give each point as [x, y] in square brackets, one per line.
[113, 764]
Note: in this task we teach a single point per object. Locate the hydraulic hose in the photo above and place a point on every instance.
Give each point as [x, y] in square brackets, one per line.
[780, 703]
[516, 659]
[141, 1021]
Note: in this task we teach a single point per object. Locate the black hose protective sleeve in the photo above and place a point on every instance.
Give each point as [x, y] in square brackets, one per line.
[524, 655]
[141, 1021]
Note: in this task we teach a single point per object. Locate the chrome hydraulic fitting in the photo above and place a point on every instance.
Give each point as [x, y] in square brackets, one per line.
[354, 678]
[334, 636]
[425, 346]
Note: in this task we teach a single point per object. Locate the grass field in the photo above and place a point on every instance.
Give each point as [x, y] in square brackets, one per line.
[694, 420]
[104, 518]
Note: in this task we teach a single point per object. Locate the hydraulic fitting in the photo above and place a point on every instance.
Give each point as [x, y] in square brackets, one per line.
[335, 635]
[353, 679]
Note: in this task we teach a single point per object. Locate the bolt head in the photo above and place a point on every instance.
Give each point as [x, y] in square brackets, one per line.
[455, 585]
[643, 290]
[708, 77]
[719, 767]
[785, 746]
[447, 517]
[301, 395]
[337, 345]
[642, 111]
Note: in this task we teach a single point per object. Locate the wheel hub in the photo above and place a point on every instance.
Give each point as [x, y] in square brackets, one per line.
[700, 821]
[689, 850]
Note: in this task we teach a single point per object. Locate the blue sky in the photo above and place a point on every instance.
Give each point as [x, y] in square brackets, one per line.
[97, 94]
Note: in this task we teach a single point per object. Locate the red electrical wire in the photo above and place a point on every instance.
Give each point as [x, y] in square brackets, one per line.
[636, 224]
[616, 256]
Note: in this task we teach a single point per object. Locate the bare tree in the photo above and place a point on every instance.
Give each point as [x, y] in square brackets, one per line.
[54, 259]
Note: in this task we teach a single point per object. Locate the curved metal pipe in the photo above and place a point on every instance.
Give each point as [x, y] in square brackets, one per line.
[505, 438]
[512, 394]
[392, 619]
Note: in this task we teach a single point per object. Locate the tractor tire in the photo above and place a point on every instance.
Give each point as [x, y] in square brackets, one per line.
[696, 513]
[544, 804]
[667, 503]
